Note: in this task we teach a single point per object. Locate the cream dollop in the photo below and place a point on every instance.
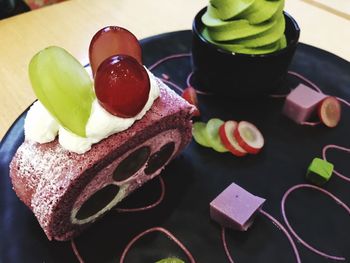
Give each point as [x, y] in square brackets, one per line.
[41, 127]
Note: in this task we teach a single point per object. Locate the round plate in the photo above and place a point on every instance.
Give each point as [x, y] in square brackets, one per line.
[198, 175]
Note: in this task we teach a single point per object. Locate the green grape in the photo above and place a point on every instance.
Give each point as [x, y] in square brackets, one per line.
[170, 260]
[63, 86]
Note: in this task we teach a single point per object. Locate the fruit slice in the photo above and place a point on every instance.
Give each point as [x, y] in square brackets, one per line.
[212, 135]
[249, 137]
[198, 131]
[170, 260]
[112, 40]
[226, 135]
[63, 86]
[190, 95]
[122, 86]
[329, 111]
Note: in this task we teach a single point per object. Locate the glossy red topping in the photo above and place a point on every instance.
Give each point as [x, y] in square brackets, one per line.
[113, 40]
[122, 86]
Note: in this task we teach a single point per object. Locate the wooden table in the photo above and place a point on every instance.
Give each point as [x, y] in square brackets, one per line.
[72, 24]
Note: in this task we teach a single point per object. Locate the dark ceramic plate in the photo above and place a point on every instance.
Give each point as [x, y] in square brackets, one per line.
[200, 174]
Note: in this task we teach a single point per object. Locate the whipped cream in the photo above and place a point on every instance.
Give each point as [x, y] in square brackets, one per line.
[41, 127]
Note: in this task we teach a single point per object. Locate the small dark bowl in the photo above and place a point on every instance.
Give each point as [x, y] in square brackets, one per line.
[240, 75]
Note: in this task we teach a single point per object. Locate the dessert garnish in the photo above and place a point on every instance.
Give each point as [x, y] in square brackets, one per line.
[249, 137]
[212, 135]
[336, 147]
[329, 112]
[226, 133]
[236, 208]
[190, 95]
[291, 229]
[125, 91]
[113, 40]
[319, 171]
[170, 260]
[122, 86]
[302, 102]
[198, 131]
[245, 26]
[161, 230]
[63, 86]
[238, 138]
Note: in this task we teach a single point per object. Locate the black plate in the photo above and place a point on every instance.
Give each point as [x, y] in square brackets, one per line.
[200, 174]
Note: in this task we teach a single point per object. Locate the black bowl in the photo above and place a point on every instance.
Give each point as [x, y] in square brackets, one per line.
[240, 75]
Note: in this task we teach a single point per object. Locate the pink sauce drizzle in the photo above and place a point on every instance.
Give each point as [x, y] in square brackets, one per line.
[177, 87]
[147, 207]
[277, 224]
[324, 156]
[165, 76]
[304, 243]
[309, 82]
[307, 123]
[162, 60]
[76, 251]
[164, 231]
[166, 79]
[159, 229]
[313, 85]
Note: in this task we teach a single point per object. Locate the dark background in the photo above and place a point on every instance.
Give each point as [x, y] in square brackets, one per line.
[10, 8]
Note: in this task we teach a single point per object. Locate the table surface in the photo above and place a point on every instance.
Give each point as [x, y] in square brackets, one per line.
[71, 25]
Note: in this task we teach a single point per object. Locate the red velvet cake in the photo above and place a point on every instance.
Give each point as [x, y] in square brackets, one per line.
[68, 191]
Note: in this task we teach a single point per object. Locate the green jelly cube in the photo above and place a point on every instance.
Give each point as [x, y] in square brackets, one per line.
[319, 171]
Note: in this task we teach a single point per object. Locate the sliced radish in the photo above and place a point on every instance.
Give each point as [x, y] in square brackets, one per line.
[190, 95]
[249, 137]
[329, 111]
[226, 135]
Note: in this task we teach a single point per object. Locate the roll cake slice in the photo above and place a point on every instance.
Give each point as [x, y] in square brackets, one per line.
[68, 192]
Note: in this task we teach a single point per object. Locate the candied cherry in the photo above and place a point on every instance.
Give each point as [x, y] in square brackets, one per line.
[112, 40]
[122, 86]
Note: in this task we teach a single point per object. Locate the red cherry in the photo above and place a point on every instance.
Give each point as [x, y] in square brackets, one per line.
[112, 40]
[122, 86]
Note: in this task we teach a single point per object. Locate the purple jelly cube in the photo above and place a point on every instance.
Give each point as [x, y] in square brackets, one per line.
[301, 103]
[235, 208]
